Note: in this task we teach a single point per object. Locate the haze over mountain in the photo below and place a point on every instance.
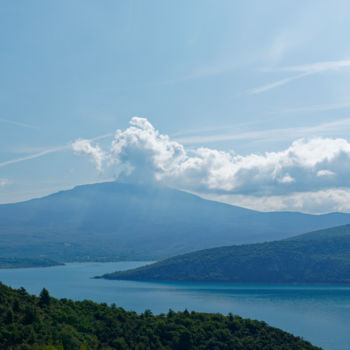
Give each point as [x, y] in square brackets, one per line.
[317, 257]
[108, 221]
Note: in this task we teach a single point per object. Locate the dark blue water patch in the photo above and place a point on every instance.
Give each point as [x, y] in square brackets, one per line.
[320, 314]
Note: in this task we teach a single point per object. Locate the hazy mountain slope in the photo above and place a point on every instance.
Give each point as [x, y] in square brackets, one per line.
[317, 257]
[123, 221]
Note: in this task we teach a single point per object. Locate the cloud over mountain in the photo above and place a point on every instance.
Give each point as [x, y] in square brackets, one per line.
[95, 153]
[142, 153]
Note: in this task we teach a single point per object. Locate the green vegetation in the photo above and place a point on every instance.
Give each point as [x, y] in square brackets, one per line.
[317, 257]
[30, 322]
[8, 263]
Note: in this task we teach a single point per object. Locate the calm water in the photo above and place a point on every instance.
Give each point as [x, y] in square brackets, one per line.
[320, 314]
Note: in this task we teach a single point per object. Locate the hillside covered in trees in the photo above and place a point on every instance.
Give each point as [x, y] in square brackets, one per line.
[30, 322]
[316, 257]
[8, 263]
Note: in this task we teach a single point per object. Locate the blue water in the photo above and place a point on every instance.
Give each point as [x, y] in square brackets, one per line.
[320, 314]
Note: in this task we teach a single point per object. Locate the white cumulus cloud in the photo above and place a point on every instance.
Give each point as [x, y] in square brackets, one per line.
[141, 153]
[144, 154]
[325, 173]
[287, 179]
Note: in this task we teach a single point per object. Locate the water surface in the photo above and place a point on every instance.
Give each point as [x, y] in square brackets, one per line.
[320, 314]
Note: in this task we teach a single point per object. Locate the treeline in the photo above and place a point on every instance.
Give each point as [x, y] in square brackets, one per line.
[30, 322]
[317, 257]
[9, 263]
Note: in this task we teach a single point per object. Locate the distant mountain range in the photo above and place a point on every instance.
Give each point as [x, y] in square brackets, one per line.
[118, 221]
[316, 257]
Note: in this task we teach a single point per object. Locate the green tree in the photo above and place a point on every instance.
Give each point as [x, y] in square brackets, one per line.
[44, 297]
[185, 341]
[9, 317]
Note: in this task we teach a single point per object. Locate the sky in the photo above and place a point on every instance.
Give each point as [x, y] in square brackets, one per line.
[245, 102]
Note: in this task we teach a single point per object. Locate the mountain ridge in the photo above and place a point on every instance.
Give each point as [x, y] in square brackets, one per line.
[316, 257]
[118, 221]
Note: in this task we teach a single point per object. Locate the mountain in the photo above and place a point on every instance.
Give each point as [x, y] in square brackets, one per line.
[317, 257]
[118, 221]
[30, 322]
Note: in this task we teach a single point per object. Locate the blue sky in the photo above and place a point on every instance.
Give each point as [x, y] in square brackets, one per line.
[240, 78]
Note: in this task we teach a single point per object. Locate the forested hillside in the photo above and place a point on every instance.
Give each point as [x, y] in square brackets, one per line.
[30, 322]
[7, 263]
[317, 257]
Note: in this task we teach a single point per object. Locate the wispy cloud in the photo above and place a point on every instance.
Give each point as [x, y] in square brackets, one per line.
[271, 134]
[204, 71]
[276, 84]
[16, 123]
[4, 182]
[316, 108]
[48, 151]
[197, 131]
[318, 67]
[34, 155]
[211, 129]
[304, 70]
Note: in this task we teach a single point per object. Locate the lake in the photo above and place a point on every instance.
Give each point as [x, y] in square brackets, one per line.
[320, 314]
